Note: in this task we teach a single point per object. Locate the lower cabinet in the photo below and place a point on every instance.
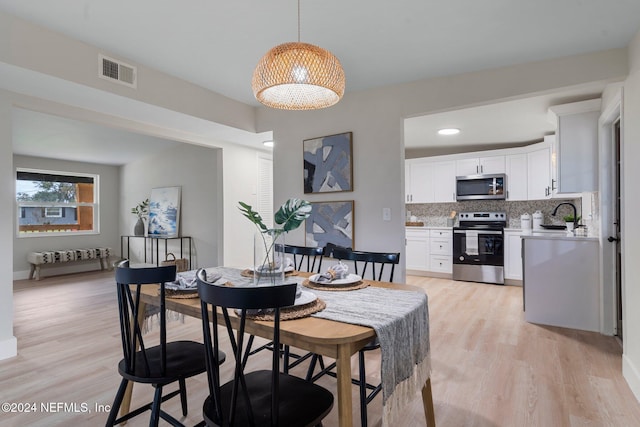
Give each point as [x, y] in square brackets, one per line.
[429, 250]
[513, 255]
[417, 249]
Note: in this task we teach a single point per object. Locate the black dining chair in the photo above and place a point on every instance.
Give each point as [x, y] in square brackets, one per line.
[161, 364]
[307, 259]
[381, 267]
[258, 398]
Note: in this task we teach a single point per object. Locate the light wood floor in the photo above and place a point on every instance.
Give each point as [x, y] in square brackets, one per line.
[490, 368]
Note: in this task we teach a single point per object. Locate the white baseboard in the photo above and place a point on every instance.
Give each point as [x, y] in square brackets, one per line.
[8, 348]
[632, 375]
[21, 275]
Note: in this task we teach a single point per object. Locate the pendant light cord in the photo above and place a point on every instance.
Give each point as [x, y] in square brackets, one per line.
[298, 21]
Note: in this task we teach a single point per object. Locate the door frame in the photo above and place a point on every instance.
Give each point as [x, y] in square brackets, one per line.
[607, 182]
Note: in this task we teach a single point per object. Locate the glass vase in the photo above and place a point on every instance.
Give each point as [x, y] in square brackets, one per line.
[268, 259]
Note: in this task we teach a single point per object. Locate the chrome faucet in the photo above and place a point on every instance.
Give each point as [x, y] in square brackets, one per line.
[575, 213]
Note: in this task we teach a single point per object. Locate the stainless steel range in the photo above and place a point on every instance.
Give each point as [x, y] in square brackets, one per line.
[478, 247]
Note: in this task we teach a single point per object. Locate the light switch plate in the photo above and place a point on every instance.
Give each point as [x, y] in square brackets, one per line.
[386, 214]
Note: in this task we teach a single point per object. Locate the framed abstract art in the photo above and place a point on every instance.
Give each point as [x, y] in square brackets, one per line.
[330, 222]
[328, 163]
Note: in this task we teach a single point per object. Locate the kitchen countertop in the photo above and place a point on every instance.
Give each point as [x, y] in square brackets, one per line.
[556, 236]
[426, 227]
[548, 234]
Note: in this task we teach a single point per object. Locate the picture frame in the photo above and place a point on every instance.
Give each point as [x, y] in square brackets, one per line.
[330, 222]
[164, 212]
[328, 163]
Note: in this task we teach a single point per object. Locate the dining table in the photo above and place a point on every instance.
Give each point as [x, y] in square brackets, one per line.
[338, 340]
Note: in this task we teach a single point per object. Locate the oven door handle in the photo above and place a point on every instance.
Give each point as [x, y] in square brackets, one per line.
[480, 232]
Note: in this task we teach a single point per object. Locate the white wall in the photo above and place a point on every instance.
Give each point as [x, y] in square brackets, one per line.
[240, 185]
[630, 208]
[8, 344]
[196, 170]
[109, 206]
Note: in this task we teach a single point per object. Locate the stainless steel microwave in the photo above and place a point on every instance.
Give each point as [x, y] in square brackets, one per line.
[481, 187]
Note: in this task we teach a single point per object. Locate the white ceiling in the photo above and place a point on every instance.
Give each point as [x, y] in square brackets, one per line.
[217, 44]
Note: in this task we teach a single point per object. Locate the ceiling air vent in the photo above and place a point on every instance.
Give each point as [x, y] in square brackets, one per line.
[117, 71]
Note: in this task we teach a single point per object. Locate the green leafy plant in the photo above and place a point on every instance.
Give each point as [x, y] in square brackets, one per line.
[569, 218]
[142, 209]
[290, 216]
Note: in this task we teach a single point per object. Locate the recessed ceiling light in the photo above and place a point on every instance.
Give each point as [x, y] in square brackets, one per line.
[268, 143]
[449, 131]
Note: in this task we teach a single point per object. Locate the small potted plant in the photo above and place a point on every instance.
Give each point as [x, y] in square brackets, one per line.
[570, 221]
[141, 210]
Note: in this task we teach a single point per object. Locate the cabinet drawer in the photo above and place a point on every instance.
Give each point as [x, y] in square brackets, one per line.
[440, 264]
[440, 247]
[445, 234]
[416, 232]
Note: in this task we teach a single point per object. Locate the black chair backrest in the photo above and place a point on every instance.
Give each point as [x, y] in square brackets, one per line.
[312, 256]
[363, 260]
[129, 283]
[213, 297]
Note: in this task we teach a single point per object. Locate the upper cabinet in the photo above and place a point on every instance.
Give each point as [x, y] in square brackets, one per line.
[539, 174]
[444, 182]
[430, 182]
[517, 178]
[418, 181]
[575, 150]
[480, 165]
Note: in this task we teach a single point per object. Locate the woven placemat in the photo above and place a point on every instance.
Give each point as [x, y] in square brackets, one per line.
[291, 313]
[351, 287]
[249, 273]
[170, 293]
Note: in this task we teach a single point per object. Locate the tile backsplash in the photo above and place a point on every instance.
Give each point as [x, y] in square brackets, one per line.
[436, 214]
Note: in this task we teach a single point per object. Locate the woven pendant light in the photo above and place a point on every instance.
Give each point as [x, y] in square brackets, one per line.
[298, 76]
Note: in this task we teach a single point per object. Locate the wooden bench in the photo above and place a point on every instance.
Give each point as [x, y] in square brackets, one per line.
[37, 259]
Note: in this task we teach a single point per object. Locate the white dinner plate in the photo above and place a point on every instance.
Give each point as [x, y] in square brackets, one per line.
[305, 297]
[350, 279]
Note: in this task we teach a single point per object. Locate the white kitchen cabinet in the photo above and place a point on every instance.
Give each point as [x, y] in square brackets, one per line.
[561, 286]
[440, 242]
[539, 174]
[418, 181]
[517, 179]
[513, 255]
[417, 249]
[429, 250]
[441, 264]
[480, 165]
[444, 181]
[576, 146]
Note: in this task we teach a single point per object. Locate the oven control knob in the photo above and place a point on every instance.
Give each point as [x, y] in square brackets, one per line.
[461, 258]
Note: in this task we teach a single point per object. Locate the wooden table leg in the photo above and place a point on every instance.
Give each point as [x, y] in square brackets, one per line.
[126, 400]
[345, 405]
[427, 402]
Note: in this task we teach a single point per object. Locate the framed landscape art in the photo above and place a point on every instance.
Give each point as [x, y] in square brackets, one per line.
[328, 163]
[164, 212]
[330, 222]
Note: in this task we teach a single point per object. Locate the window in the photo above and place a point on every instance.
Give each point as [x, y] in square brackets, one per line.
[53, 212]
[53, 203]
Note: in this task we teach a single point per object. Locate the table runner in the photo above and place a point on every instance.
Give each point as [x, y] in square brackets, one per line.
[401, 321]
